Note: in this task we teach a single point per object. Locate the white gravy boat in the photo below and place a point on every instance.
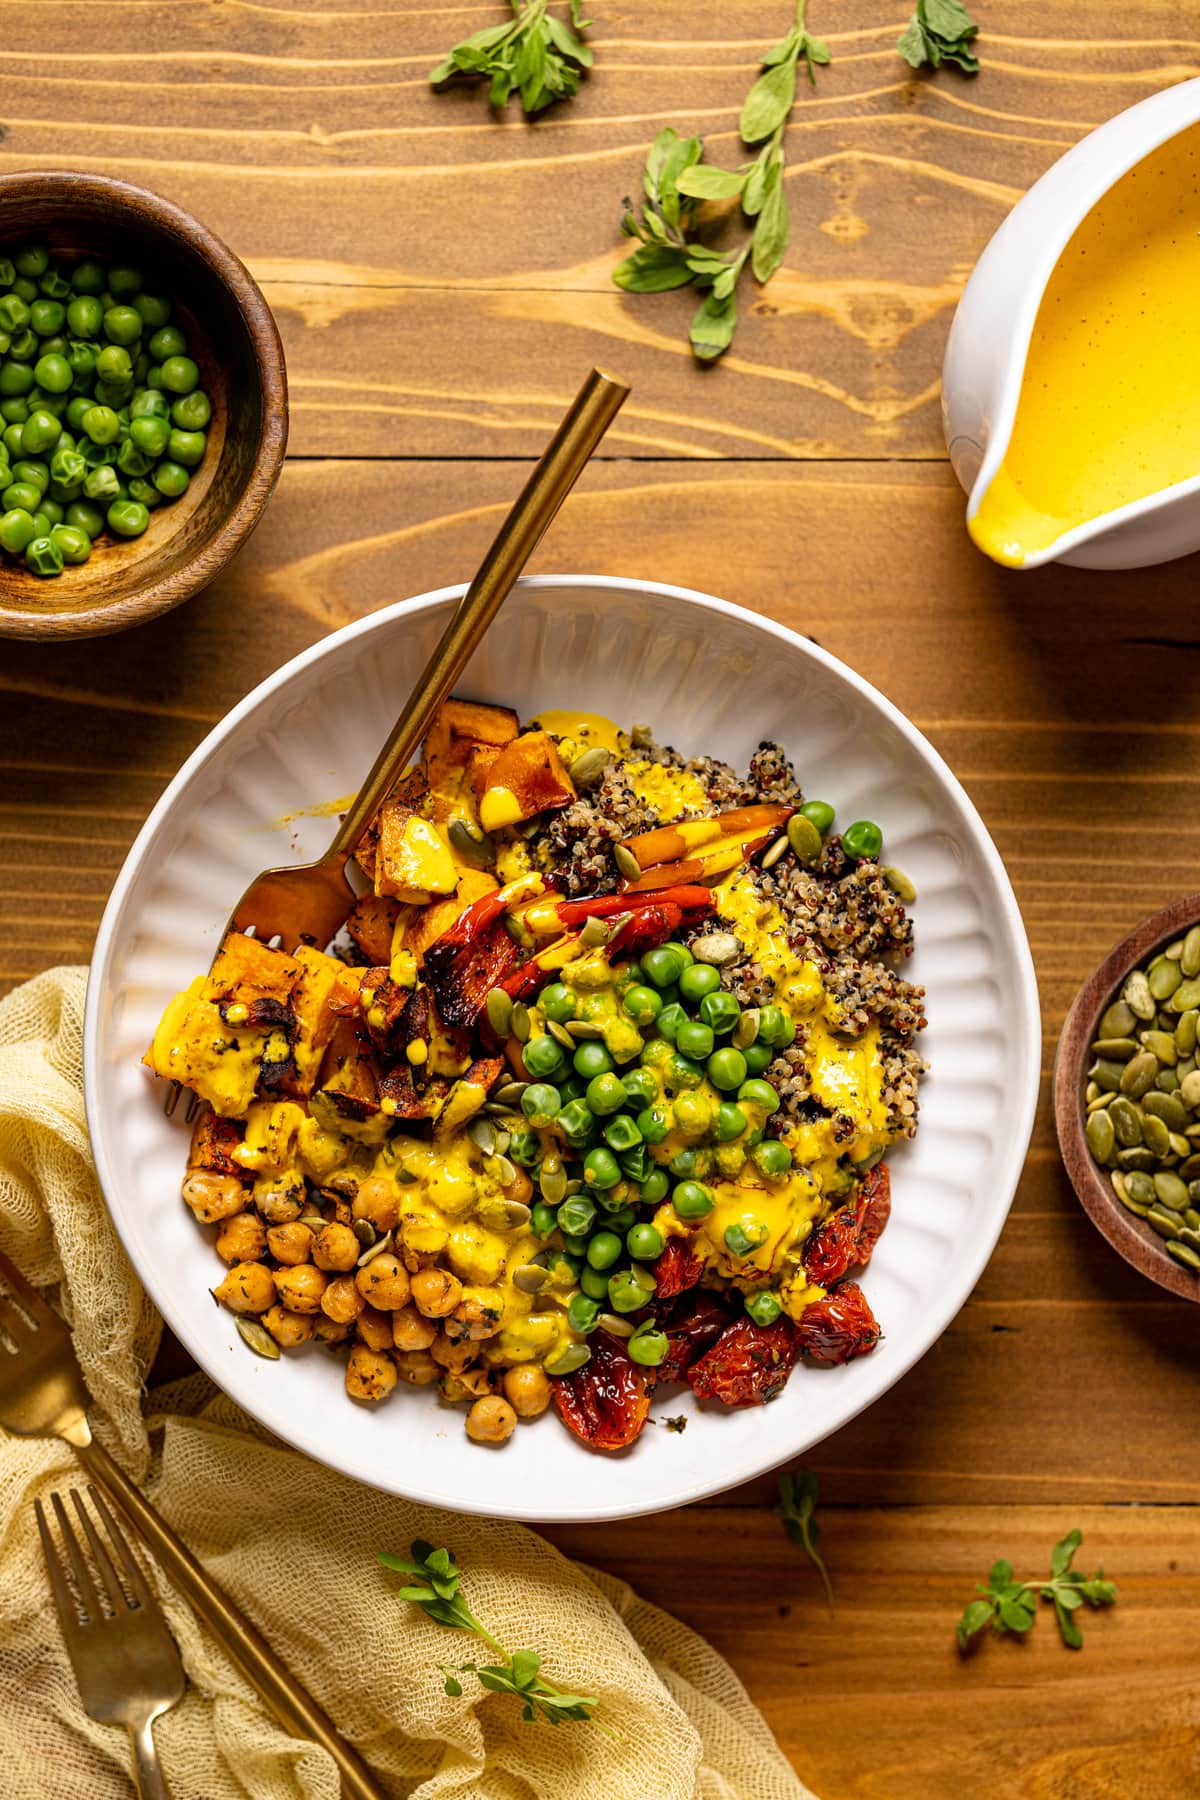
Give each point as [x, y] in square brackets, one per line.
[993, 325]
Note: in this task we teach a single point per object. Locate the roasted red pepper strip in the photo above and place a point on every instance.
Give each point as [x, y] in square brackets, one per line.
[605, 1403]
[602, 906]
[748, 1365]
[874, 1210]
[838, 1328]
[652, 919]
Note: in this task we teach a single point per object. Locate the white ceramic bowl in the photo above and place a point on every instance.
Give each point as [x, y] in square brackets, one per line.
[710, 678]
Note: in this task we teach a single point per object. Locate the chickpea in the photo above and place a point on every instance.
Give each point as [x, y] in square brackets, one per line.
[491, 1420]
[329, 1331]
[375, 1328]
[519, 1188]
[527, 1390]
[416, 1367]
[478, 1315]
[242, 1239]
[336, 1248]
[287, 1328]
[370, 1374]
[212, 1197]
[436, 1292]
[248, 1288]
[342, 1301]
[411, 1330]
[376, 1201]
[472, 1384]
[300, 1289]
[337, 1209]
[384, 1282]
[422, 1242]
[451, 1355]
[280, 1202]
[290, 1244]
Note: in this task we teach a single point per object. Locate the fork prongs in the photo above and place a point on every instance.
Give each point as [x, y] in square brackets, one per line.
[86, 1594]
[27, 1295]
[64, 1600]
[138, 1584]
[171, 1101]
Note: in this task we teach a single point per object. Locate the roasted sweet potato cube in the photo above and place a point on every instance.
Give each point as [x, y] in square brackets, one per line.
[246, 970]
[480, 763]
[526, 778]
[371, 924]
[315, 1013]
[346, 1097]
[462, 723]
[425, 924]
[414, 860]
[214, 1141]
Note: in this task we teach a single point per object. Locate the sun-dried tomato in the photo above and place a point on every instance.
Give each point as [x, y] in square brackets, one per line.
[838, 1328]
[605, 1403]
[832, 1248]
[748, 1365]
[874, 1210]
[677, 1269]
[692, 1323]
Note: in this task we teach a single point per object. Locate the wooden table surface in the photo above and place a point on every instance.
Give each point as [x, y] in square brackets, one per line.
[441, 280]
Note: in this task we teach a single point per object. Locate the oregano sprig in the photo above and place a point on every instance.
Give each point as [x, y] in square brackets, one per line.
[796, 1508]
[940, 31]
[535, 54]
[435, 1589]
[1008, 1605]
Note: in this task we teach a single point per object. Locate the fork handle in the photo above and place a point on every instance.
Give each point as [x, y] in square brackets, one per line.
[292, 1705]
[150, 1781]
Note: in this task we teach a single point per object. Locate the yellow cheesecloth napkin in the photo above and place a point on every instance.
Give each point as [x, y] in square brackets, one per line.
[294, 1543]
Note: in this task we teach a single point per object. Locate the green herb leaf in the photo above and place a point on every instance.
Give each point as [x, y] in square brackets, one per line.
[713, 326]
[534, 53]
[771, 231]
[797, 1510]
[769, 102]
[653, 269]
[1063, 1553]
[976, 1615]
[706, 183]
[1009, 1605]
[940, 31]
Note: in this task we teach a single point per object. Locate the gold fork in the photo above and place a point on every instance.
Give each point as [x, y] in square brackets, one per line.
[127, 1665]
[308, 902]
[42, 1394]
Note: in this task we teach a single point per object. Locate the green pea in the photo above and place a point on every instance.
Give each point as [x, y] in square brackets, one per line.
[692, 1200]
[693, 1116]
[649, 1346]
[128, 518]
[540, 1103]
[133, 461]
[541, 1056]
[146, 404]
[594, 1282]
[730, 1122]
[772, 1159]
[82, 359]
[698, 981]
[523, 1147]
[166, 342]
[600, 1168]
[145, 492]
[101, 483]
[124, 282]
[577, 1124]
[577, 1215]
[42, 523]
[75, 546]
[43, 557]
[570, 1089]
[763, 1307]
[760, 1094]
[94, 454]
[775, 1027]
[85, 317]
[25, 289]
[122, 326]
[17, 530]
[621, 1134]
[16, 379]
[542, 1219]
[694, 1039]
[102, 424]
[745, 1235]
[50, 510]
[654, 1187]
[681, 1072]
[591, 1059]
[727, 1070]
[606, 1094]
[662, 965]
[656, 1053]
[720, 1012]
[10, 437]
[39, 432]
[556, 1001]
[178, 374]
[604, 1250]
[152, 310]
[635, 1163]
[863, 840]
[31, 260]
[21, 496]
[46, 318]
[114, 363]
[643, 1004]
[42, 400]
[689, 1162]
[153, 379]
[644, 1243]
[67, 468]
[187, 447]
[149, 434]
[670, 1020]
[53, 286]
[820, 813]
[85, 517]
[640, 1086]
[192, 412]
[654, 1123]
[77, 406]
[88, 277]
[113, 393]
[34, 473]
[758, 1057]
[630, 1289]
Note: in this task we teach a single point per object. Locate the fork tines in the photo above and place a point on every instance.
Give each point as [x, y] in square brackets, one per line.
[79, 1601]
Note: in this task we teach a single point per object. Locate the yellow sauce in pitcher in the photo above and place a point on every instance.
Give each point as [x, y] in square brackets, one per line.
[1109, 407]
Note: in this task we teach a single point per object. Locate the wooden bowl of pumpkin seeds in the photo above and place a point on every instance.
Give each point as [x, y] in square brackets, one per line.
[1127, 1097]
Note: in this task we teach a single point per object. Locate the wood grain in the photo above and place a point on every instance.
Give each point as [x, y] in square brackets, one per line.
[441, 280]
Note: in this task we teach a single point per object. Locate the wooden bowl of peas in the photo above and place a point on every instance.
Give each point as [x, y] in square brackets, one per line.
[143, 405]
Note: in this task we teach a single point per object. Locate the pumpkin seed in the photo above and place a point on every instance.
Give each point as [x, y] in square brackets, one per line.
[530, 1278]
[518, 931]
[584, 1028]
[1091, 1092]
[1140, 1187]
[1134, 1207]
[499, 1011]
[1162, 1044]
[374, 1250]
[504, 1215]
[560, 1034]
[746, 1029]
[718, 947]
[1185, 1065]
[1167, 1107]
[471, 844]
[641, 737]
[1179, 1144]
[502, 1171]
[1155, 1135]
[1120, 1186]
[1189, 956]
[1138, 1075]
[1186, 996]
[1163, 978]
[1137, 1158]
[1115, 1049]
[900, 884]
[313, 1220]
[805, 840]
[1127, 1121]
[1185, 1031]
[553, 1184]
[1100, 1136]
[588, 768]
[615, 1325]
[1137, 996]
[772, 855]
[520, 1024]
[1171, 1191]
[365, 1232]
[627, 862]
[1189, 1090]
[1118, 1020]
[1183, 1253]
[1107, 1074]
[1166, 1081]
[1164, 1222]
[1175, 950]
[483, 1133]
[1189, 1234]
[257, 1338]
[567, 1358]
[1098, 1102]
[595, 934]
[1189, 1212]
[509, 1093]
